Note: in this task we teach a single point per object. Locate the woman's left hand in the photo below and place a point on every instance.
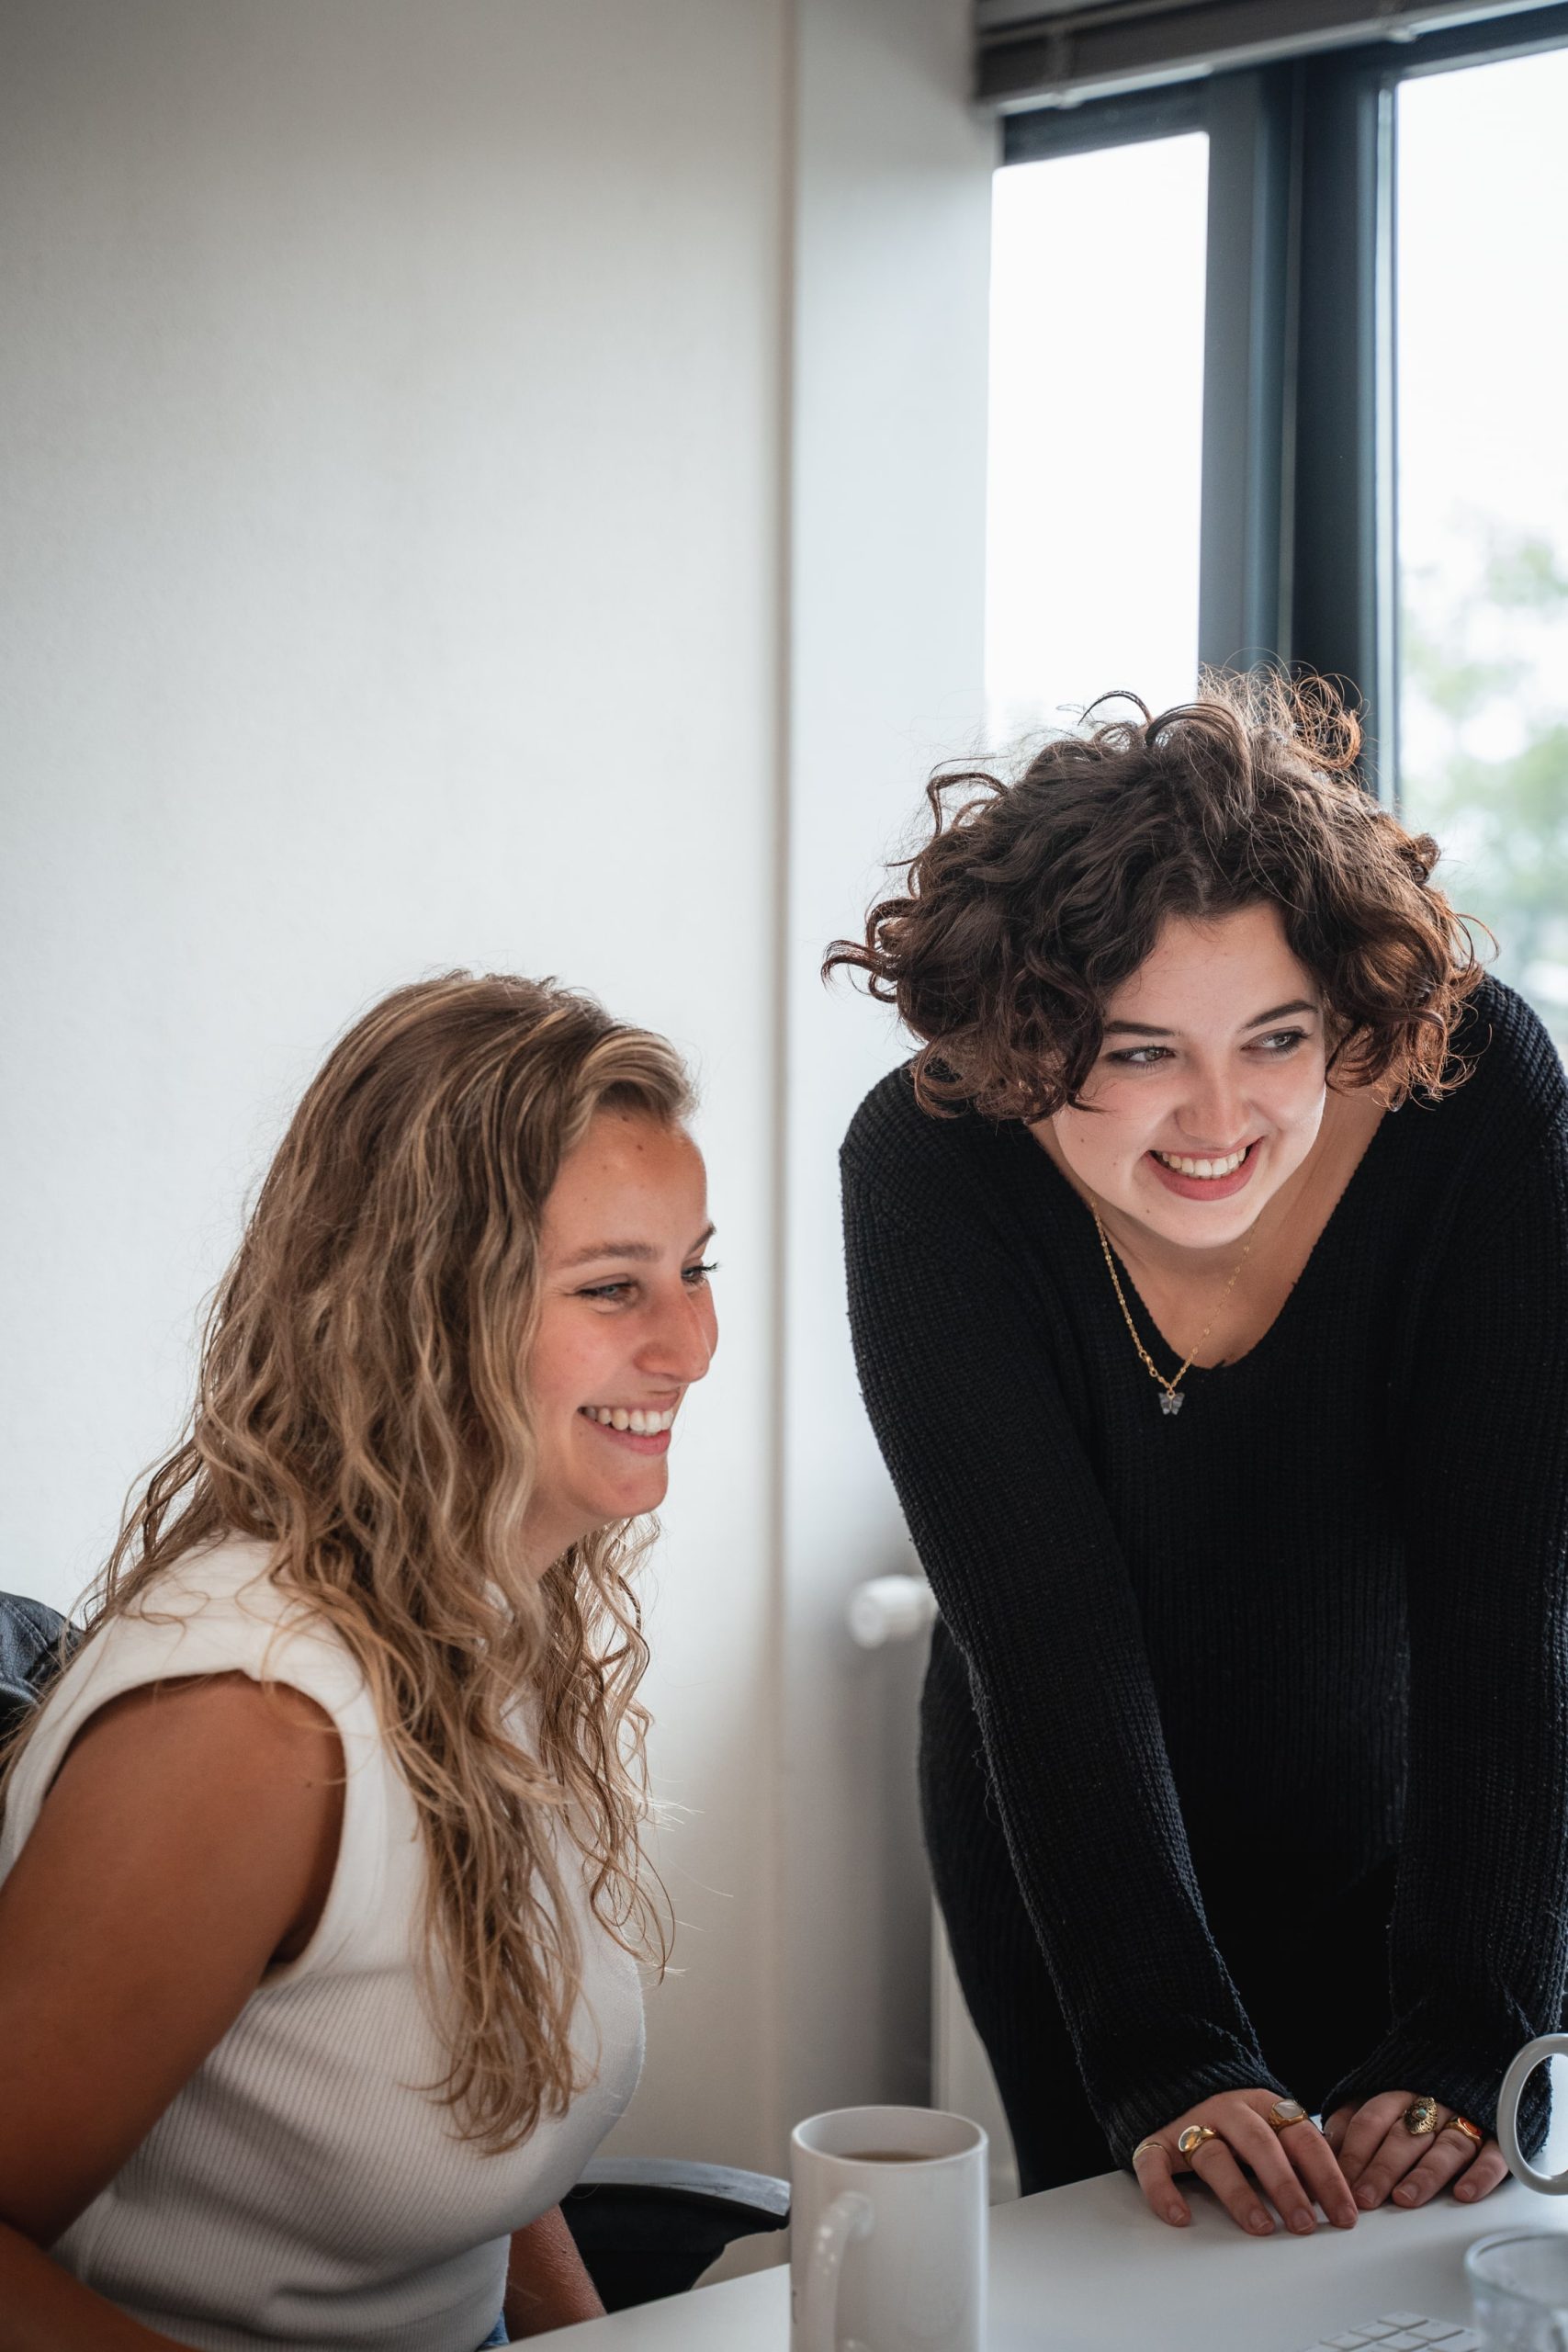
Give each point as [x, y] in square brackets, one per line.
[1381, 2158]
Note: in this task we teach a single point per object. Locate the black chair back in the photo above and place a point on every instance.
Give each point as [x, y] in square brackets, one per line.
[649, 2226]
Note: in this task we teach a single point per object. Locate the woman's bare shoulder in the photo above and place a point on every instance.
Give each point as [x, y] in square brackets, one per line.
[187, 1843]
[269, 1725]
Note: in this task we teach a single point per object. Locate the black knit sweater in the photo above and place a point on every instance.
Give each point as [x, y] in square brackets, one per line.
[1314, 1621]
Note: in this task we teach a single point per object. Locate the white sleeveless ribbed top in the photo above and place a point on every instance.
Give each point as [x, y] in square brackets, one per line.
[301, 2189]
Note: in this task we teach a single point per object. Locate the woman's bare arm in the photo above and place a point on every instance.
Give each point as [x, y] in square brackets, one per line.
[188, 1840]
[547, 2286]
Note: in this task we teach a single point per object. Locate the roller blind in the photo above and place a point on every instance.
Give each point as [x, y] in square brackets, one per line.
[1034, 52]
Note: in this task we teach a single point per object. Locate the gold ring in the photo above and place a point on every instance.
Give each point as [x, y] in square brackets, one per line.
[1471, 2131]
[1286, 2111]
[1192, 2139]
[1154, 2140]
[1421, 2118]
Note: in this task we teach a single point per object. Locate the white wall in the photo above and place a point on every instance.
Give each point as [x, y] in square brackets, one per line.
[893, 224]
[400, 500]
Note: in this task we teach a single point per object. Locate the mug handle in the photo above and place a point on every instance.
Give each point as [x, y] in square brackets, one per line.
[1534, 2053]
[848, 2217]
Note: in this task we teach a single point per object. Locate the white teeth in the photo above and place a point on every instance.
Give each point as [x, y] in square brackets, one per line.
[620, 1419]
[640, 1424]
[1208, 1167]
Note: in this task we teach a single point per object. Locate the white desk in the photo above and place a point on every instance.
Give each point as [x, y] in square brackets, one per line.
[1089, 2270]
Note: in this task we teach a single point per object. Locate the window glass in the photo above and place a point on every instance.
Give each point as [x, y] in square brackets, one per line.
[1483, 363]
[1096, 429]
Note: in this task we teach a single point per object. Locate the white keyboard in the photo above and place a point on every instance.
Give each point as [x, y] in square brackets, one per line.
[1402, 2332]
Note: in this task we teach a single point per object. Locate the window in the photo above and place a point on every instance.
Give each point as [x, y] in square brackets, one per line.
[1096, 429]
[1483, 362]
[1383, 486]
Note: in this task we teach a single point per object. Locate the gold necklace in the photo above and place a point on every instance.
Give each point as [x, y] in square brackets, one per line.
[1172, 1397]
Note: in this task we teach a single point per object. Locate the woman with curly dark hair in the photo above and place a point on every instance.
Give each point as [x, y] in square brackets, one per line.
[1229, 1412]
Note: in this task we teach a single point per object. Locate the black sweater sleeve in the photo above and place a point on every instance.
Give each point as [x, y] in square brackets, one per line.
[1479, 1948]
[1016, 1539]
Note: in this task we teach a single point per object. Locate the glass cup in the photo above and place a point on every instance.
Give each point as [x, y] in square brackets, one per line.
[1518, 2289]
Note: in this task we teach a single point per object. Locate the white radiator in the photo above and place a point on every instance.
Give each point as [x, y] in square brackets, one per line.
[901, 1608]
[962, 2081]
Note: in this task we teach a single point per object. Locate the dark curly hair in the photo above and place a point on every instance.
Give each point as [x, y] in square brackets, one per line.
[1034, 900]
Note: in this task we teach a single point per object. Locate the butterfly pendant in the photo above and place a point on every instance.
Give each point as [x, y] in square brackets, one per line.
[1171, 1400]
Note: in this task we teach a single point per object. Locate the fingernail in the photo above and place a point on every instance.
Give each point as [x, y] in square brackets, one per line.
[1405, 2196]
[1180, 2216]
[1366, 2197]
[1261, 2222]
[1464, 2190]
[1303, 2224]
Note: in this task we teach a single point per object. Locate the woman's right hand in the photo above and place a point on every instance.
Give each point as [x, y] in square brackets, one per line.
[1294, 2166]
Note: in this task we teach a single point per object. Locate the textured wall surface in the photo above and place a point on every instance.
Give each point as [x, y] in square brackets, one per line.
[496, 485]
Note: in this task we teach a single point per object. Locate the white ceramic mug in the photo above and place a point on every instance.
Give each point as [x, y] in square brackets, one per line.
[887, 2232]
[1534, 2053]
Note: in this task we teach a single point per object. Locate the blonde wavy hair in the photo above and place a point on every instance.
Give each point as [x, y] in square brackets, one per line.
[362, 1407]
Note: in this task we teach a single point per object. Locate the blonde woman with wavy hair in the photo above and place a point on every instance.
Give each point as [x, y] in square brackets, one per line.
[319, 1892]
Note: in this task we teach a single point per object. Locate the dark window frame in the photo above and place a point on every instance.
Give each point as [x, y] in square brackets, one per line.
[1298, 555]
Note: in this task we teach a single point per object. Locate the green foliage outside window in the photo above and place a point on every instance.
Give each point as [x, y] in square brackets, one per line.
[1484, 741]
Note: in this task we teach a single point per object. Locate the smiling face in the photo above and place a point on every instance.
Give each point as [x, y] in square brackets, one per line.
[627, 1323]
[1210, 1086]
